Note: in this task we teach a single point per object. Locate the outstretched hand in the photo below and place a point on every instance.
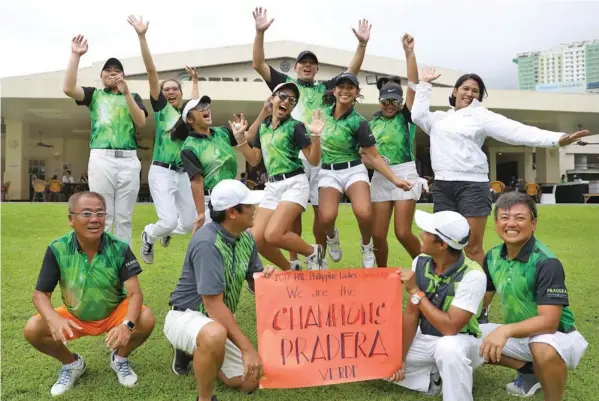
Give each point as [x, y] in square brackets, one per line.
[363, 32]
[192, 72]
[79, 45]
[429, 74]
[317, 125]
[261, 18]
[408, 43]
[572, 138]
[239, 125]
[140, 26]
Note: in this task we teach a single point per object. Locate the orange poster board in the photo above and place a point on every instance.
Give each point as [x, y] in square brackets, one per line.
[318, 328]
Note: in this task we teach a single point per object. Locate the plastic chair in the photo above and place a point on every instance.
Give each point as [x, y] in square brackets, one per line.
[5, 186]
[55, 187]
[39, 189]
[497, 186]
[533, 191]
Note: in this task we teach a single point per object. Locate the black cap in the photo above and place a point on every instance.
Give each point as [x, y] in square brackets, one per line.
[113, 62]
[205, 99]
[391, 91]
[347, 76]
[383, 80]
[304, 54]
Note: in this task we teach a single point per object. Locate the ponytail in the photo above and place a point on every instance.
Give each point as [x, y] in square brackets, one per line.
[179, 131]
[328, 98]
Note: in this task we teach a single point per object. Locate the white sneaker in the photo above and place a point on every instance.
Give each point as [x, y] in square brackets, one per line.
[124, 373]
[436, 385]
[296, 265]
[334, 247]
[68, 375]
[325, 264]
[314, 261]
[368, 259]
[166, 241]
[147, 248]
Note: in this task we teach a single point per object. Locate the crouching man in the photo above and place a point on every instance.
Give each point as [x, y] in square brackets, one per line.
[539, 337]
[441, 337]
[201, 325]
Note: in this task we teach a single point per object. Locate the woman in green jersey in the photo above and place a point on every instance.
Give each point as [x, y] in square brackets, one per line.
[169, 184]
[342, 171]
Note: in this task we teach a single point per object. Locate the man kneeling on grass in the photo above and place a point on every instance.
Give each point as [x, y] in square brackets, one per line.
[201, 325]
[100, 290]
[440, 330]
[539, 337]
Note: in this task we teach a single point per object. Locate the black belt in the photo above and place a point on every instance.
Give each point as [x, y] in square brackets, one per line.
[341, 166]
[281, 177]
[173, 307]
[173, 167]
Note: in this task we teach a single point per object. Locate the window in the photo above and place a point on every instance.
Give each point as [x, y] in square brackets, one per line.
[37, 168]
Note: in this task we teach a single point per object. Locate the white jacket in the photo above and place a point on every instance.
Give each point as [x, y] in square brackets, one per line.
[457, 136]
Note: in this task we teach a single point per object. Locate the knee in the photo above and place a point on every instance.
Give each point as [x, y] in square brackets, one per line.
[403, 233]
[363, 212]
[544, 355]
[186, 226]
[449, 349]
[33, 329]
[147, 321]
[258, 237]
[170, 223]
[327, 216]
[272, 235]
[212, 337]
[379, 237]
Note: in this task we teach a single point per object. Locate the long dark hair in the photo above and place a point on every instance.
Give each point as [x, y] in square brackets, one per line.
[180, 131]
[481, 85]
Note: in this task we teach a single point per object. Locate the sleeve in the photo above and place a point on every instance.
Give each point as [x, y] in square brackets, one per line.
[490, 285]
[551, 283]
[301, 137]
[49, 274]
[364, 135]
[88, 94]
[158, 104]
[191, 164]
[276, 78]
[515, 133]
[255, 265]
[232, 139]
[140, 103]
[256, 141]
[421, 114]
[208, 266]
[470, 291]
[415, 263]
[130, 266]
[330, 84]
[407, 114]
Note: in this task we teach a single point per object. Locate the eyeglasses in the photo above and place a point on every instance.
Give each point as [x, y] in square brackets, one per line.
[387, 102]
[89, 215]
[284, 96]
[202, 107]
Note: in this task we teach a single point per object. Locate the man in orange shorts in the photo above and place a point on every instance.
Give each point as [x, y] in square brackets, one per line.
[100, 290]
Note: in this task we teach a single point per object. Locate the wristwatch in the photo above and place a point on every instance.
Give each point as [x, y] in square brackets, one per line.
[130, 325]
[416, 297]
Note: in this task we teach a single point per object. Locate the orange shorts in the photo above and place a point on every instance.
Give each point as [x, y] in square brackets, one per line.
[95, 327]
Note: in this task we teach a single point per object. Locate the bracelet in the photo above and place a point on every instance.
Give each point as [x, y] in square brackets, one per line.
[241, 144]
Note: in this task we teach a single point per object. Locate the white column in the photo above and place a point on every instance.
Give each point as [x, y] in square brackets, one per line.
[16, 171]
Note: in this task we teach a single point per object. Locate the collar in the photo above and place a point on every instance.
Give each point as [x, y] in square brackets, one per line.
[108, 90]
[77, 245]
[305, 83]
[452, 269]
[230, 238]
[524, 253]
[344, 116]
[202, 136]
[379, 114]
[268, 121]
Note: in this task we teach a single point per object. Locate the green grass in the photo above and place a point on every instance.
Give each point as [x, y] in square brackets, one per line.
[571, 231]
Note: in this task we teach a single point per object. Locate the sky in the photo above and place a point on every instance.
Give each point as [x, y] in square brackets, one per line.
[471, 36]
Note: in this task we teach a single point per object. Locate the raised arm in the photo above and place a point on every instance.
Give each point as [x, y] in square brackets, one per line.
[141, 28]
[258, 60]
[238, 126]
[195, 84]
[421, 114]
[363, 35]
[70, 87]
[412, 66]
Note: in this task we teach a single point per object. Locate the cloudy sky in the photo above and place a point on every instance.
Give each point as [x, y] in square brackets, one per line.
[473, 36]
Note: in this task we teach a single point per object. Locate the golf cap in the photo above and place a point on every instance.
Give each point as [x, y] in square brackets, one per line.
[389, 78]
[304, 54]
[290, 85]
[347, 76]
[192, 104]
[450, 226]
[113, 62]
[229, 193]
[391, 91]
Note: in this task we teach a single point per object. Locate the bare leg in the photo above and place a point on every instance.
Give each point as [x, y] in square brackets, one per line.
[143, 329]
[270, 252]
[277, 233]
[296, 228]
[404, 215]
[381, 219]
[208, 358]
[359, 193]
[328, 209]
[38, 334]
[551, 370]
[474, 249]
[319, 236]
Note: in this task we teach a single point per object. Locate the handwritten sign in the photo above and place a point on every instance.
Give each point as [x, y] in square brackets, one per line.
[318, 328]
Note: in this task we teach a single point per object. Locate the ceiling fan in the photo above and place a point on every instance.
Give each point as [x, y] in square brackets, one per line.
[42, 144]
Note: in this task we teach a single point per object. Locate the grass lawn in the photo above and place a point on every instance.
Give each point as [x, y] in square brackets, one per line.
[571, 231]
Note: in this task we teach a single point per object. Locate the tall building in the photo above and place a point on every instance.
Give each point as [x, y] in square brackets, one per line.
[571, 68]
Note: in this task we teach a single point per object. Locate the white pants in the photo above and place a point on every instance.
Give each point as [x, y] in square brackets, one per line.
[383, 190]
[341, 180]
[294, 189]
[312, 173]
[171, 194]
[181, 330]
[117, 180]
[456, 357]
[571, 346]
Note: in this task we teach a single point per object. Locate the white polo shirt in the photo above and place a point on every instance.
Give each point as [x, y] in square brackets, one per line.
[457, 136]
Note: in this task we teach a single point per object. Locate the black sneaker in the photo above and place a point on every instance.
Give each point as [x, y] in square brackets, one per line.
[166, 241]
[483, 318]
[181, 365]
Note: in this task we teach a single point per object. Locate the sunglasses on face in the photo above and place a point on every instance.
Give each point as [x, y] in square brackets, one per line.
[387, 102]
[284, 96]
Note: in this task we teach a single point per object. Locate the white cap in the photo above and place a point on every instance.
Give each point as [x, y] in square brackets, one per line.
[229, 193]
[191, 104]
[451, 227]
[291, 85]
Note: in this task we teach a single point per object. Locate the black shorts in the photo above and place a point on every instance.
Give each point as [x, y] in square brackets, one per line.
[470, 199]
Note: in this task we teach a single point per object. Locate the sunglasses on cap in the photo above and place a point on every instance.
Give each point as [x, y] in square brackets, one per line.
[284, 96]
[387, 102]
[462, 241]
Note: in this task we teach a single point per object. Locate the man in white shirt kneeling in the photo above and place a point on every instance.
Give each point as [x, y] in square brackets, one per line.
[441, 337]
